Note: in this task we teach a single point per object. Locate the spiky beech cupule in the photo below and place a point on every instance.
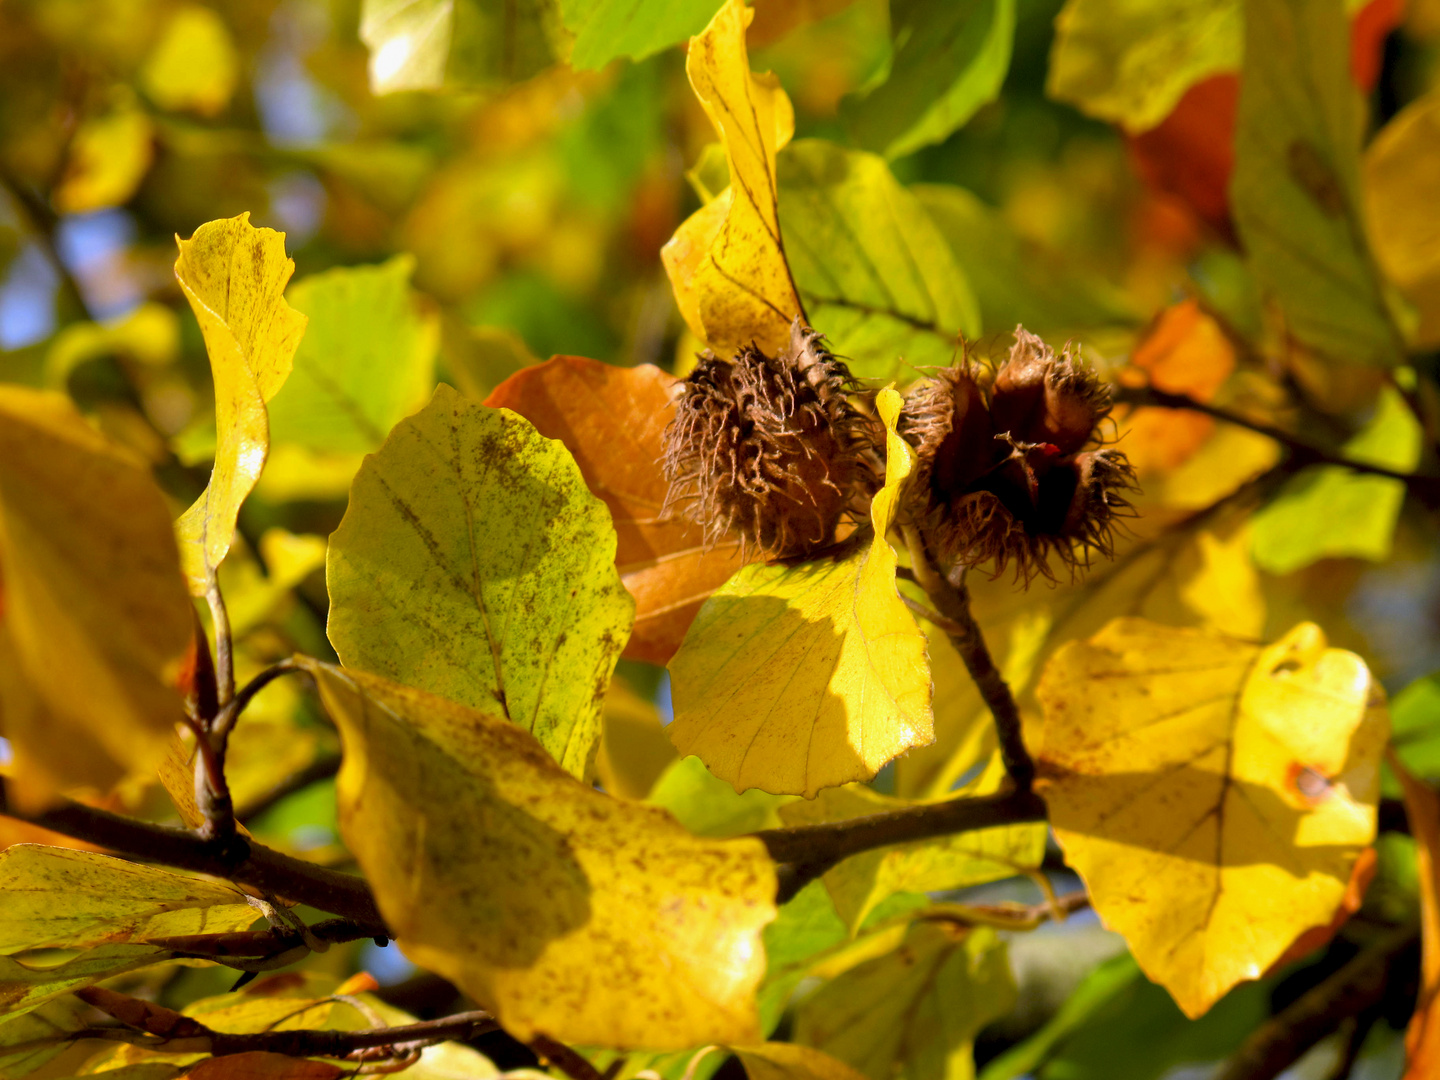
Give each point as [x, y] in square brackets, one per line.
[770, 449]
[1002, 473]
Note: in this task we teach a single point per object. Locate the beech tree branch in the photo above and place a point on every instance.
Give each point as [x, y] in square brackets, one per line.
[1302, 453]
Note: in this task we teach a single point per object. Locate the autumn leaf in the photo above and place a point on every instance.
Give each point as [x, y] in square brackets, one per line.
[799, 677]
[472, 562]
[787, 1061]
[26, 984]
[233, 274]
[562, 910]
[1214, 795]
[93, 610]
[1295, 190]
[260, 1065]
[1422, 810]
[730, 276]
[860, 883]
[194, 65]
[611, 419]
[1401, 183]
[409, 42]
[109, 157]
[914, 1012]
[61, 898]
[38, 1035]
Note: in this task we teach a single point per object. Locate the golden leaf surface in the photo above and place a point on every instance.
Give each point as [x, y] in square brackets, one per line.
[860, 883]
[234, 276]
[611, 419]
[731, 280]
[62, 898]
[93, 610]
[805, 676]
[563, 910]
[1214, 794]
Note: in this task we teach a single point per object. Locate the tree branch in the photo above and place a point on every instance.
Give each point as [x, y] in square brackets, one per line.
[237, 858]
[807, 851]
[1280, 1041]
[1424, 488]
[953, 604]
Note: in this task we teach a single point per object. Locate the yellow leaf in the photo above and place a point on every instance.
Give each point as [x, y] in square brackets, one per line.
[1401, 187]
[1213, 794]
[731, 279]
[858, 884]
[93, 610]
[109, 156]
[913, 1013]
[194, 65]
[592, 919]
[61, 898]
[787, 1061]
[233, 274]
[634, 751]
[795, 678]
[26, 984]
[148, 335]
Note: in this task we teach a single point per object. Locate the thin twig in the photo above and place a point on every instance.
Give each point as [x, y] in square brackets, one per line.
[1280, 1041]
[1424, 488]
[931, 616]
[1012, 916]
[954, 604]
[563, 1058]
[322, 768]
[224, 643]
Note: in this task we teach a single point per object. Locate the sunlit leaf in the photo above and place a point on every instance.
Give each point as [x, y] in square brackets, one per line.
[93, 611]
[913, 1013]
[473, 562]
[193, 66]
[708, 806]
[1327, 511]
[367, 359]
[1295, 189]
[861, 882]
[25, 985]
[727, 263]
[605, 29]
[799, 677]
[409, 42]
[950, 59]
[234, 275]
[1214, 795]
[596, 920]
[875, 273]
[1016, 281]
[109, 156]
[1401, 186]
[1130, 62]
[787, 1061]
[60, 898]
[611, 419]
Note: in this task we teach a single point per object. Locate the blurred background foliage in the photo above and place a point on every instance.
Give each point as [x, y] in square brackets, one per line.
[515, 208]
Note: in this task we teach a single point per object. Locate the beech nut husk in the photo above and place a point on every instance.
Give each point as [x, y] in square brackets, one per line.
[769, 450]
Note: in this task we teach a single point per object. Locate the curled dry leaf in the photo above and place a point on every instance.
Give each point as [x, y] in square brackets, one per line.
[611, 419]
[729, 273]
[797, 677]
[93, 610]
[234, 276]
[562, 910]
[1215, 795]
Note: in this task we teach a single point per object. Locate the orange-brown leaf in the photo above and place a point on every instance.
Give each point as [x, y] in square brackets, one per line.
[611, 419]
[1422, 1040]
[257, 1065]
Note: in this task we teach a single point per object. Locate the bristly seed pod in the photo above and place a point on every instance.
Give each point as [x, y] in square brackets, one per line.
[1002, 474]
[770, 448]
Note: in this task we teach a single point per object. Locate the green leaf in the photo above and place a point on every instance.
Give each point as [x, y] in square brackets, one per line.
[799, 677]
[1294, 191]
[861, 882]
[367, 359]
[606, 29]
[474, 563]
[561, 909]
[63, 898]
[806, 926]
[1116, 1007]
[871, 267]
[26, 984]
[950, 59]
[1415, 731]
[913, 1013]
[1131, 61]
[54, 1019]
[1016, 282]
[708, 806]
[1327, 511]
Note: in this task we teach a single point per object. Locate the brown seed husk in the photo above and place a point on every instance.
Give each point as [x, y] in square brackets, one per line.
[1039, 397]
[770, 449]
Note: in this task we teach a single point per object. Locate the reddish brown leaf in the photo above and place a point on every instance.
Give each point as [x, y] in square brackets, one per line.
[1422, 1040]
[258, 1065]
[1319, 936]
[611, 419]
